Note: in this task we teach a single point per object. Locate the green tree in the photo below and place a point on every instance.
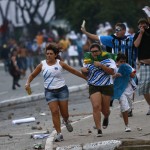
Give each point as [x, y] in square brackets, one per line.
[100, 11]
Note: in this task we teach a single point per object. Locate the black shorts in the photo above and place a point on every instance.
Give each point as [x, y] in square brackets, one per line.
[106, 89]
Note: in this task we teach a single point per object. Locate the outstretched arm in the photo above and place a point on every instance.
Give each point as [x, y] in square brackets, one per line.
[72, 70]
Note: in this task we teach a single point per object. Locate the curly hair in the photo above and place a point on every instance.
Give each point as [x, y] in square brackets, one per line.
[56, 48]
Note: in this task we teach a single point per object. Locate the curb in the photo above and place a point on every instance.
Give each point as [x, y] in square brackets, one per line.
[39, 96]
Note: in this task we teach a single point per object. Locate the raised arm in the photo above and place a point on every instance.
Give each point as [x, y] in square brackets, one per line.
[91, 36]
[139, 38]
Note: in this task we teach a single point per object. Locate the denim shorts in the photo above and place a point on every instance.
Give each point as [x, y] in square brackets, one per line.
[60, 94]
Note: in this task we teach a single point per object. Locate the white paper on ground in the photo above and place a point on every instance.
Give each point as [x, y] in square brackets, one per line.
[24, 120]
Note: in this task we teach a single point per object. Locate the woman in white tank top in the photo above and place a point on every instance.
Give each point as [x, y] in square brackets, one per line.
[56, 91]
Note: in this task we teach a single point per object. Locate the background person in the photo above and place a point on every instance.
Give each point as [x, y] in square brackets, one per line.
[56, 90]
[14, 70]
[142, 42]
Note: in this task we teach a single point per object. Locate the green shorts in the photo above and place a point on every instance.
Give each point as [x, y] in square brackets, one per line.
[106, 89]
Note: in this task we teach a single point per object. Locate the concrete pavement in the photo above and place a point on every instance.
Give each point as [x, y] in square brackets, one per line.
[84, 136]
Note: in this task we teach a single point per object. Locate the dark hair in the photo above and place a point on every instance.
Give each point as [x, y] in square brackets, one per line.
[56, 48]
[121, 56]
[143, 20]
[121, 25]
[95, 45]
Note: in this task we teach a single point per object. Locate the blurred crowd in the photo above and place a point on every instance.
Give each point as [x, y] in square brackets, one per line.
[30, 52]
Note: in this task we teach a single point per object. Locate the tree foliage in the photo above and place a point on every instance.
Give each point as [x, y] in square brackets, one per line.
[28, 12]
[100, 11]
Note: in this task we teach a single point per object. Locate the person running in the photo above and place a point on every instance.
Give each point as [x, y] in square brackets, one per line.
[124, 87]
[56, 90]
[119, 42]
[142, 42]
[99, 74]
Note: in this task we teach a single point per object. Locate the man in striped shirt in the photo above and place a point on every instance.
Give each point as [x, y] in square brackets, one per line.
[119, 42]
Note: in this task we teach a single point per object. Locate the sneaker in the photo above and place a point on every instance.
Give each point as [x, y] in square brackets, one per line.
[148, 113]
[105, 122]
[58, 138]
[127, 129]
[68, 125]
[99, 133]
[130, 114]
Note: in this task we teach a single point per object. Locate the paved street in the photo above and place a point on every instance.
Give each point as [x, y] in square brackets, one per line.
[18, 137]
[21, 133]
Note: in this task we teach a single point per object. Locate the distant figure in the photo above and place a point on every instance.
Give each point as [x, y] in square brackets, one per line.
[14, 70]
[5, 54]
[64, 43]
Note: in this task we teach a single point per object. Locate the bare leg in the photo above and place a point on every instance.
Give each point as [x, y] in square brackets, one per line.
[54, 108]
[63, 105]
[106, 105]
[96, 100]
[125, 117]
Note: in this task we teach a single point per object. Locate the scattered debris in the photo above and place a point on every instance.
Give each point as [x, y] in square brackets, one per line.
[24, 120]
[36, 128]
[89, 131]
[38, 146]
[10, 115]
[40, 136]
[139, 129]
[42, 114]
[5, 135]
[38, 122]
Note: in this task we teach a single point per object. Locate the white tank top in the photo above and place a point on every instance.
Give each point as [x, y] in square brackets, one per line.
[52, 75]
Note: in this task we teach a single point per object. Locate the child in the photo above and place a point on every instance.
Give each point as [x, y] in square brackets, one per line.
[124, 87]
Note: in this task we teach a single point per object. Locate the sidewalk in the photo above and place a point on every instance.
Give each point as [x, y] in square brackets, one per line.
[84, 136]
